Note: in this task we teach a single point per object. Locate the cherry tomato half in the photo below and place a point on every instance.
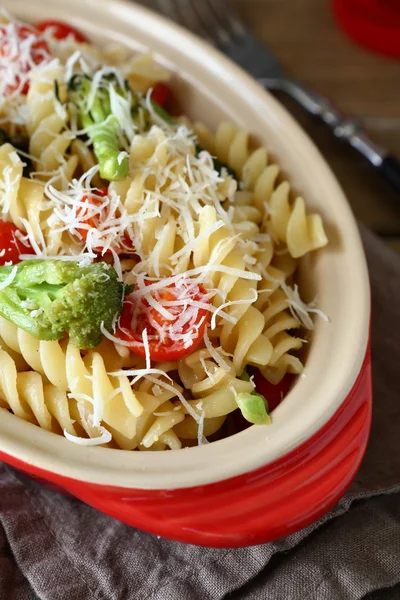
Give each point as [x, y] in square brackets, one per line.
[93, 221]
[165, 335]
[90, 222]
[160, 93]
[60, 30]
[21, 61]
[10, 245]
[273, 393]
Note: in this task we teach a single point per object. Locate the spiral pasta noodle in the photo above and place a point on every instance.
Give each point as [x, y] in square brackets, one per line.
[143, 72]
[159, 227]
[287, 222]
[61, 380]
[80, 377]
[154, 426]
[47, 124]
[24, 204]
[213, 387]
[23, 199]
[23, 393]
[242, 334]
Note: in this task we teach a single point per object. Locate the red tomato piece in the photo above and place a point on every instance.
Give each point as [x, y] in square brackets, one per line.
[273, 393]
[90, 222]
[37, 52]
[160, 93]
[164, 334]
[10, 245]
[93, 222]
[60, 30]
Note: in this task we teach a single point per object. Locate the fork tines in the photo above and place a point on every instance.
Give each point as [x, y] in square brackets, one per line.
[211, 19]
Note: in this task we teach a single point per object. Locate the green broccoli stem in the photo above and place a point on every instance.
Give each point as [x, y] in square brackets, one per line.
[101, 126]
[105, 139]
[162, 113]
[17, 291]
[10, 309]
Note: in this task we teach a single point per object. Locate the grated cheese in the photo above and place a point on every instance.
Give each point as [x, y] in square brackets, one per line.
[146, 349]
[215, 354]
[200, 437]
[18, 58]
[179, 395]
[299, 309]
[97, 408]
[104, 438]
[232, 303]
[207, 371]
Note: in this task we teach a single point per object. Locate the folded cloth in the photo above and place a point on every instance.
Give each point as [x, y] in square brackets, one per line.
[56, 548]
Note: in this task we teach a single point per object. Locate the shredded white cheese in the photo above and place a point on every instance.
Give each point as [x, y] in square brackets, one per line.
[104, 438]
[300, 309]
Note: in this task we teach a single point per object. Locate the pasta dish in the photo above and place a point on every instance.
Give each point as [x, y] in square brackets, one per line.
[148, 294]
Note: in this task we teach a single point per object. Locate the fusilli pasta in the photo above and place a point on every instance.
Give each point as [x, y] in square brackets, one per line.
[46, 124]
[287, 222]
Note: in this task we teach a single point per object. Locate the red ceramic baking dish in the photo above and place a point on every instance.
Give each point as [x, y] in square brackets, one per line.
[266, 481]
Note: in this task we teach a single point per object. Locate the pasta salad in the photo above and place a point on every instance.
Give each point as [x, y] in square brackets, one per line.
[148, 295]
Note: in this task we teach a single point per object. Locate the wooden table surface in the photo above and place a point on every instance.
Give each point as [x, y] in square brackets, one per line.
[304, 36]
[313, 49]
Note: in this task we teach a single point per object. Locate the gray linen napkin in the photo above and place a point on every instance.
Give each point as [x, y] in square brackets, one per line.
[56, 548]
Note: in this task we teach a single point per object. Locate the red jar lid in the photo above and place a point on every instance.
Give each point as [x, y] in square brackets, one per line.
[372, 23]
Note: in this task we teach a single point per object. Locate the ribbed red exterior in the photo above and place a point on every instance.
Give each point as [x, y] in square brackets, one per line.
[256, 507]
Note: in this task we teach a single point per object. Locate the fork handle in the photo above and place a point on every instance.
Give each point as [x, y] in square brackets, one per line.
[345, 128]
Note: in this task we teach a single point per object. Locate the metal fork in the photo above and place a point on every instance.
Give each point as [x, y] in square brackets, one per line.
[220, 25]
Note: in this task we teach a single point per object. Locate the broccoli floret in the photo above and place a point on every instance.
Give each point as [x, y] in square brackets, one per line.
[101, 125]
[52, 298]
